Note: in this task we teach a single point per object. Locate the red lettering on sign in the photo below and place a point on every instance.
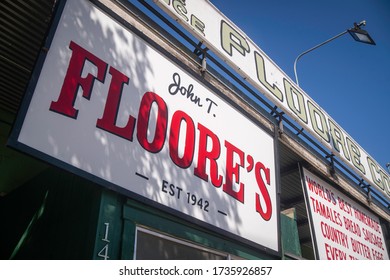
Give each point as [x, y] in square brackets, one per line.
[373, 238]
[267, 213]
[344, 205]
[320, 190]
[333, 253]
[110, 114]
[335, 235]
[326, 211]
[211, 155]
[152, 125]
[360, 248]
[351, 226]
[157, 143]
[365, 219]
[65, 103]
[233, 170]
[376, 255]
[178, 118]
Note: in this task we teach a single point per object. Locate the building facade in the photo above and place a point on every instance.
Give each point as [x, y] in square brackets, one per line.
[124, 137]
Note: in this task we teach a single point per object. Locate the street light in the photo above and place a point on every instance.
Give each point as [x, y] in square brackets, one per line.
[356, 32]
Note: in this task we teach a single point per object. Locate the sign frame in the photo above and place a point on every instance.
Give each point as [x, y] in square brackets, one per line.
[15, 143]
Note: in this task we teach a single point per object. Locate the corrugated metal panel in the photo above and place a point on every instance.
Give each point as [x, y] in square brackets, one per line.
[23, 25]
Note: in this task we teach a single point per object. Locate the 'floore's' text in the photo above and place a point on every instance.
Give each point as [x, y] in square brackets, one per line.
[181, 126]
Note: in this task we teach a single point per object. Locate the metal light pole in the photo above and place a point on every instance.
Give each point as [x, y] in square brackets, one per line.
[356, 32]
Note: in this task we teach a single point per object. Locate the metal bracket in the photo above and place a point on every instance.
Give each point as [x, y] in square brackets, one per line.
[280, 123]
[279, 117]
[362, 184]
[198, 50]
[274, 111]
[332, 170]
[203, 52]
[203, 67]
[369, 195]
[300, 131]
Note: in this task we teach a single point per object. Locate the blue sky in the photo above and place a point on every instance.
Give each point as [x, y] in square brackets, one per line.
[349, 80]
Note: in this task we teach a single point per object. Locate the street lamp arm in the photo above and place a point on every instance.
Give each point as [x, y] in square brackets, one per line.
[312, 49]
[356, 32]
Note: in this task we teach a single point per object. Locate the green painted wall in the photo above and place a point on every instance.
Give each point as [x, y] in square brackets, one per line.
[52, 216]
[58, 215]
[291, 246]
[120, 217]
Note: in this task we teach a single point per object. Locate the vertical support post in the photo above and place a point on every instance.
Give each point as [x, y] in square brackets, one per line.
[109, 227]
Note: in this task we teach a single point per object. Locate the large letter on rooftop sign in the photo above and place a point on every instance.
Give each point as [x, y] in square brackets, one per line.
[260, 69]
[231, 38]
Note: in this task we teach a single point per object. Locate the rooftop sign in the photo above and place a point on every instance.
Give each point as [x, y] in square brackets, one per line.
[226, 40]
[111, 108]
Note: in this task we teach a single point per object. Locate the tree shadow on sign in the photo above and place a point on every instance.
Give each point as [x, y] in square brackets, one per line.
[124, 163]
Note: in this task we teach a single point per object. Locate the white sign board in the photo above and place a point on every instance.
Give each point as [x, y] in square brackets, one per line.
[342, 229]
[226, 40]
[109, 106]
